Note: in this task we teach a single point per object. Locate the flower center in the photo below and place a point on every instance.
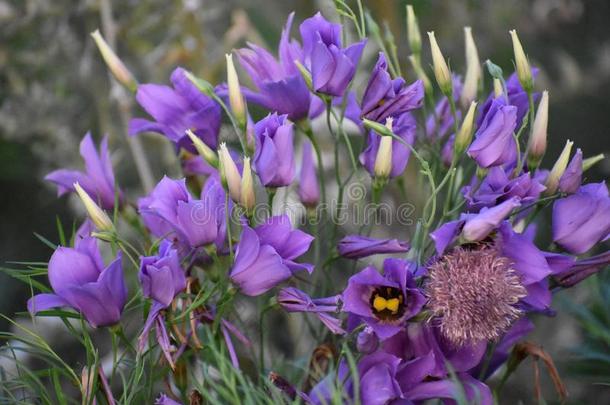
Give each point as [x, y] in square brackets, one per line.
[387, 303]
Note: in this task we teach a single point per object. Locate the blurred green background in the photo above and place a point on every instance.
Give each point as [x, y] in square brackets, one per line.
[54, 87]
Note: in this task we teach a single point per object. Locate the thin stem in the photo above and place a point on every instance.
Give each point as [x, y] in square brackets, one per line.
[228, 224]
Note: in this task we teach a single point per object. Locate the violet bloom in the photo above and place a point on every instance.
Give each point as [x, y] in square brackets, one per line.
[265, 255]
[80, 281]
[177, 109]
[494, 144]
[582, 269]
[571, 179]
[384, 302]
[280, 85]
[440, 124]
[309, 189]
[582, 219]
[332, 66]
[98, 178]
[498, 186]
[384, 97]
[404, 127]
[274, 155]
[357, 247]
[295, 300]
[161, 276]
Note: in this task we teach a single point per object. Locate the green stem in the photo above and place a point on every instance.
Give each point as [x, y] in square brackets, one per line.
[228, 222]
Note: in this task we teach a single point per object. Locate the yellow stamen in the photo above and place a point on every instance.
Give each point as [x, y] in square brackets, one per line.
[392, 305]
[379, 303]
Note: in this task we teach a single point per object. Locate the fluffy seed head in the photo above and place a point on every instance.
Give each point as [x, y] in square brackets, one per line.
[473, 293]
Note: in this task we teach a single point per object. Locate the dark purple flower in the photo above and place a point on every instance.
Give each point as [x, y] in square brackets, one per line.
[582, 219]
[265, 255]
[274, 155]
[494, 144]
[440, 124]
[177, 109]
[98, 178]
[367, 341]
[384, 97]
[332, 66]
[309, 189]
[80, 281]
[404, 127]
[161, 276]
[582, 269]
[571, 179]
[280, 86]
[357, 247]
[498, 187]
[294, 300]
[384, 302]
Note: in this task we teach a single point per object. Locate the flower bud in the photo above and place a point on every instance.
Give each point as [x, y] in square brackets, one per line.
[537, 142]
[236, 98]
[589, 162]
[421, 74]
[498, 88]
[524, 73]
[98, 216]
[413, 34]
[552, 181]
[305, 74]
[247, 198]
[116, 66]
[441, 70]
[473, 69]
[464, 136]
[383, 160]
[381, 129]
[229, 174]
[204, 150]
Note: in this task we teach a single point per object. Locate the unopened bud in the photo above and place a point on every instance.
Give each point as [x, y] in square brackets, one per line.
[441, 70]
[383, 159]
[98, 216]
[305, 74]
[247, 198]
[589, 162]
[229, 174]
[498, 88]
[524, 73]
[473, 69]
[421, 74]
[464, 136]
[413, 34]
[204, 150]
[236, 98]
[537, 142]
[552, 181]
[377, 127]
[116, 66]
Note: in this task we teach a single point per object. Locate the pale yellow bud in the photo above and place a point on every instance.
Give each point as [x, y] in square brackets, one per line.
[116, 66]
[421, 75]
[524, 73]
[552, 181]
[247, 198]
[473, 69]
[383, 159]
[204, 150]
[441, 70]
[98, 216]
[236, 98]
[537, 142]
[413, 34]
[498, 88]
[229, 173]
[464, 136]
[589, 162]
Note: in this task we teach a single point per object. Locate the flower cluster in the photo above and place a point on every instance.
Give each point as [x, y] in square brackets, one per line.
[431, 322]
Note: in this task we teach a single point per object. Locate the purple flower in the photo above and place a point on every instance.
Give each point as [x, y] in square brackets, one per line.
[494, 144]
[280, 86]
[384, 97]
[159, 209]
[571, 179]
[274, 156]
[498, 187]
[165, 400]
[161, 276]
[309, 189]
[357, 247]
[265, 255]
[177, 109]
[294, 300]
[404, 127]
[332, 66]
[384, 302]
[582, 219]
[80, 281]
[582, 269]
[98, 178]
[440, 124]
